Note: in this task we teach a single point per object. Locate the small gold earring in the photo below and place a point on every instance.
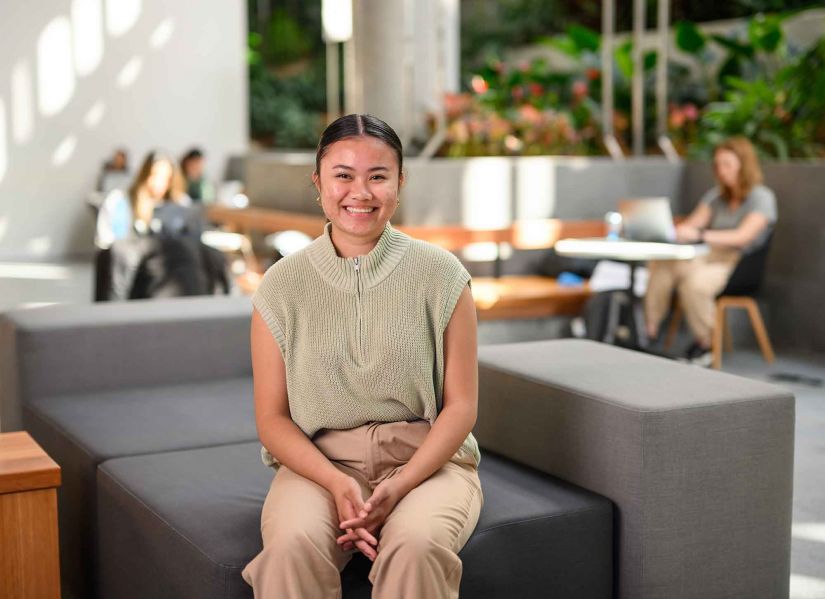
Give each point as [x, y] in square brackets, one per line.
[318, 200]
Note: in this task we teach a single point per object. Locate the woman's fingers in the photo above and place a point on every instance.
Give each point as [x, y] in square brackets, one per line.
[354, 534]
[356, 499]
[346, 511]
[350, 535]
[364, 534]
[379, 495]
[365, 520]
[353, 523]
[345, 538]
[346, 541]
[366, 549]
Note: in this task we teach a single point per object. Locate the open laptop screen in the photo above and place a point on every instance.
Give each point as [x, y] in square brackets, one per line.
[647, 219]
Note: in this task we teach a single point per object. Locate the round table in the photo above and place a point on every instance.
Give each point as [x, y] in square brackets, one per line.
[634, 253]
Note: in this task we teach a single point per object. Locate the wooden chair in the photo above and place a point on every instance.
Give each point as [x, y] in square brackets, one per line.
[739, 292]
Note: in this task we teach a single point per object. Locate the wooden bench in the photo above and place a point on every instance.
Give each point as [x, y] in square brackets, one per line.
[526, 296]
[497, 297]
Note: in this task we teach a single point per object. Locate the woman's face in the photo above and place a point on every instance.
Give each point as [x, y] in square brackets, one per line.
[358, 185]
[726, 165]
[193, 169]
[160, 178]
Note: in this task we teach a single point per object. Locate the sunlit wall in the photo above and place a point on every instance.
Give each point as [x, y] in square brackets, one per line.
[79, 78]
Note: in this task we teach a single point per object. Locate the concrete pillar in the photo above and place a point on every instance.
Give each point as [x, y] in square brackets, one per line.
[403, 57]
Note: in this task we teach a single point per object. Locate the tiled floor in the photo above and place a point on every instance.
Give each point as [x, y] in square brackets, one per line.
[39, 283]
[808, 542]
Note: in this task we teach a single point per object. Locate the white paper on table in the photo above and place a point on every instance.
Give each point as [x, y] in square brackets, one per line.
[609, 276]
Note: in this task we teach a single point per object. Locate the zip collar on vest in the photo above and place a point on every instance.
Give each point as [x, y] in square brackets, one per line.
[374, 267]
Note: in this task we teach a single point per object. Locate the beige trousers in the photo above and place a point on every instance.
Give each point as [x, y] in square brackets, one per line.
[417, 545]
[697, 283]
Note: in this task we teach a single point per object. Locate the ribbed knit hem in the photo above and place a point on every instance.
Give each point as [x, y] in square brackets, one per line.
[268, 460]
[470, 445]
[452, 299]
[269, 317]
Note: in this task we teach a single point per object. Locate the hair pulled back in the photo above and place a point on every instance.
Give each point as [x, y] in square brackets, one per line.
[358, 125]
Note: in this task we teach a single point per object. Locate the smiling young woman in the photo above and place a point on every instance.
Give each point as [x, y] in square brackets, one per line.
[358, 175]
[366, 390]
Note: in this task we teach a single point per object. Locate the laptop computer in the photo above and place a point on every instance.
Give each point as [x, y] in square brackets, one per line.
[647, 219]
[176, 220]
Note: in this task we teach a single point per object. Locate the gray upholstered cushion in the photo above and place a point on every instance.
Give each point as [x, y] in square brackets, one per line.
[153, 418]
[69, 348]
[184, 524]
[81, 431]
[699, 463]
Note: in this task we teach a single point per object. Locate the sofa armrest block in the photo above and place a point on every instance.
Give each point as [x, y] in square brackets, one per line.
[698, 463]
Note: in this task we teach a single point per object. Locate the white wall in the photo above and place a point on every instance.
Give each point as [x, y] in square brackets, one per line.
[134, 73]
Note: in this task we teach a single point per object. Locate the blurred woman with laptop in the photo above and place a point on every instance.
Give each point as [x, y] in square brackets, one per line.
[159, 181]
[122, 215]
[733, 218]
[149, 241]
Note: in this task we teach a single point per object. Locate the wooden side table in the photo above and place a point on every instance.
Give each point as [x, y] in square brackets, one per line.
[29, 559]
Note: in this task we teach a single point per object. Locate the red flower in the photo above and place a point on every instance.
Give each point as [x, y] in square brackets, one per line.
[530, 114]
[592, 74]
[536, 89]
[690, 111]
[677, 118]
[479, 84]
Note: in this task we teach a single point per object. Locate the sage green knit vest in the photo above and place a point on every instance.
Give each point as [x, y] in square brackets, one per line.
[363, 338]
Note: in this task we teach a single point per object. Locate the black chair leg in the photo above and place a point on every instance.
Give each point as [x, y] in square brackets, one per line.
[103, 275]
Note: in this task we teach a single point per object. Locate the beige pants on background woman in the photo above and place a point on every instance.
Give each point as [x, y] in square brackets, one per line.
[417, 546]
[697, 282]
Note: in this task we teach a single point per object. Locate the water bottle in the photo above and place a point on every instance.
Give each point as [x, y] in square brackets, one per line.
[613, 220]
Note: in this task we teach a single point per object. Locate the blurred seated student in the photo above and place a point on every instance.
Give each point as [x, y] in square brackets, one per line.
[158, 182]
[197, 186]
[115, 172]
[734, 218]
[131, 229]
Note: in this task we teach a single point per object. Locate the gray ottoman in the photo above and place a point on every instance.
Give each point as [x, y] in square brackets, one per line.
[699, 463]
[79, 431]
[94, 381]
[184, 524]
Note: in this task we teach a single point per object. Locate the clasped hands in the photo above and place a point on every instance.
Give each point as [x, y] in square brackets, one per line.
[362, 519]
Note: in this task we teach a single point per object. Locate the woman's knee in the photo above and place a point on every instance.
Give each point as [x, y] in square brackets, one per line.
[692, 288]
[294, 541]
[298, 515]
[417, 547]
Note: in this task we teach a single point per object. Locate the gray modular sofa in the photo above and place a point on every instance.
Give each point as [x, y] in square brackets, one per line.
[605, 473]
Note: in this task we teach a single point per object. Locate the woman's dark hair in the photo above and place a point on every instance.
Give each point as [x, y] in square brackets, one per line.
[357, 125]
[192, 154]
